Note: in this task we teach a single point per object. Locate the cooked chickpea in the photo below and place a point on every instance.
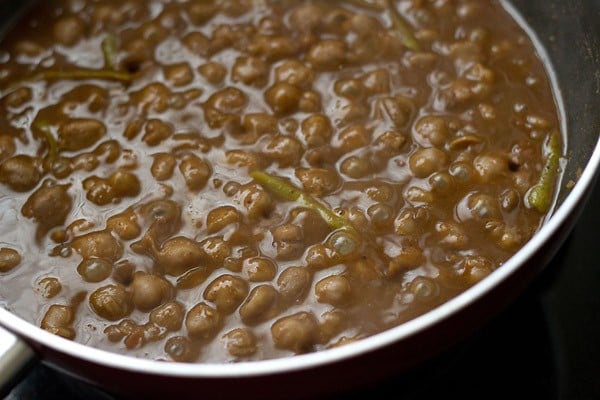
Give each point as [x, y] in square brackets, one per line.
[179, 255]
[58, 320]
[295, 73]
[240, 342]
[182, 349]
[259, 269]
[125, 225]
[9, 259]
[203, 321]
[316, 130]
[335, 290]
[170, 316]
[79, 134]
[293, 283]
[195, 171]
[261, 305]
[250, 71]
[256, 201]
[216, 250]
[213, 72]
[220, 217]
[111, 302]
[94, 269]
[285, 150]
[431, 130]
[49, 287]
[227, 292]
[297, 332]
[150, 291]
[355, 167]
[69, 30]
[327, 55]
[21, 173]
[179, 74]
[425, 162]
[283, 97]
[318, 181]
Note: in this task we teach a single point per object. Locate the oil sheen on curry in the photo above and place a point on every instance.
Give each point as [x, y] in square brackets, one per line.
[225, 181]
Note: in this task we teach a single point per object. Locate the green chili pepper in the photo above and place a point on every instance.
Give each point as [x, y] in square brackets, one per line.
[401, 26]
[110, 50]
[541, 194]
[286, 191]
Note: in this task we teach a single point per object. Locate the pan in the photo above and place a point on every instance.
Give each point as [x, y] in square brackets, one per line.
[568, 36]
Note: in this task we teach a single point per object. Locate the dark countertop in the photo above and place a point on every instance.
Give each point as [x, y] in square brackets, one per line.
[544, 346]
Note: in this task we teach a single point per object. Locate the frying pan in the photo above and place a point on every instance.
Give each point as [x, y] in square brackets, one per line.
[568, 34]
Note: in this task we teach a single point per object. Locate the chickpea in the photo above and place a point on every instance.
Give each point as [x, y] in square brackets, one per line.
[7, 147]
[396, 109]
[94, 269]
[111, 302]
[179, 74]
[310, 102]
[182, 349]
[259, 269]
[306, 17]
[352, 138]
[125, 184]
[283, 97]
[21, 173]
[273, 47]
[327, 55]
[389, 143]
[355, 167]
[229, 100]
[150, 291]
[227, 292]
[491, 166]
[350, 88]
[240, 342]
[316, 130]
[156, 131]
[164, 218]
[245, 159]
[256, 125]
[381, 216]
[256, 201]
[153, 97]
[409, 257]
[261, 305]
[425, 162]
[79, 134]
[294, 283]
[431, 130]
[195, 171]
[100, 244]
[9, 259]
[197, 43]
[200, 13]
[220, 217]
[16, 99]
[216, 250]
[376, 82]
[335, 290]
[442, 183]
[297, 332]
[203, 321]
[295, 73]
[250, 71]
[332, 324]
[68, 30]
[49, 287]
[289, 241]
[286, 150]
[318, 181]
[179, 255]
[58, 320]
[425, 290]
[213, 72]
[125, 225]
[169, 315]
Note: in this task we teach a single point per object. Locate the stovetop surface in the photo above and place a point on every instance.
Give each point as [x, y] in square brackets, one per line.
[546, 345]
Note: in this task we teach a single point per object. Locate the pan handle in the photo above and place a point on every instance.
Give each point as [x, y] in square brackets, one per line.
[16, 358]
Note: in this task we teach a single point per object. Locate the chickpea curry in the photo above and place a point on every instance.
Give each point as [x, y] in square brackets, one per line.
[224, 181]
